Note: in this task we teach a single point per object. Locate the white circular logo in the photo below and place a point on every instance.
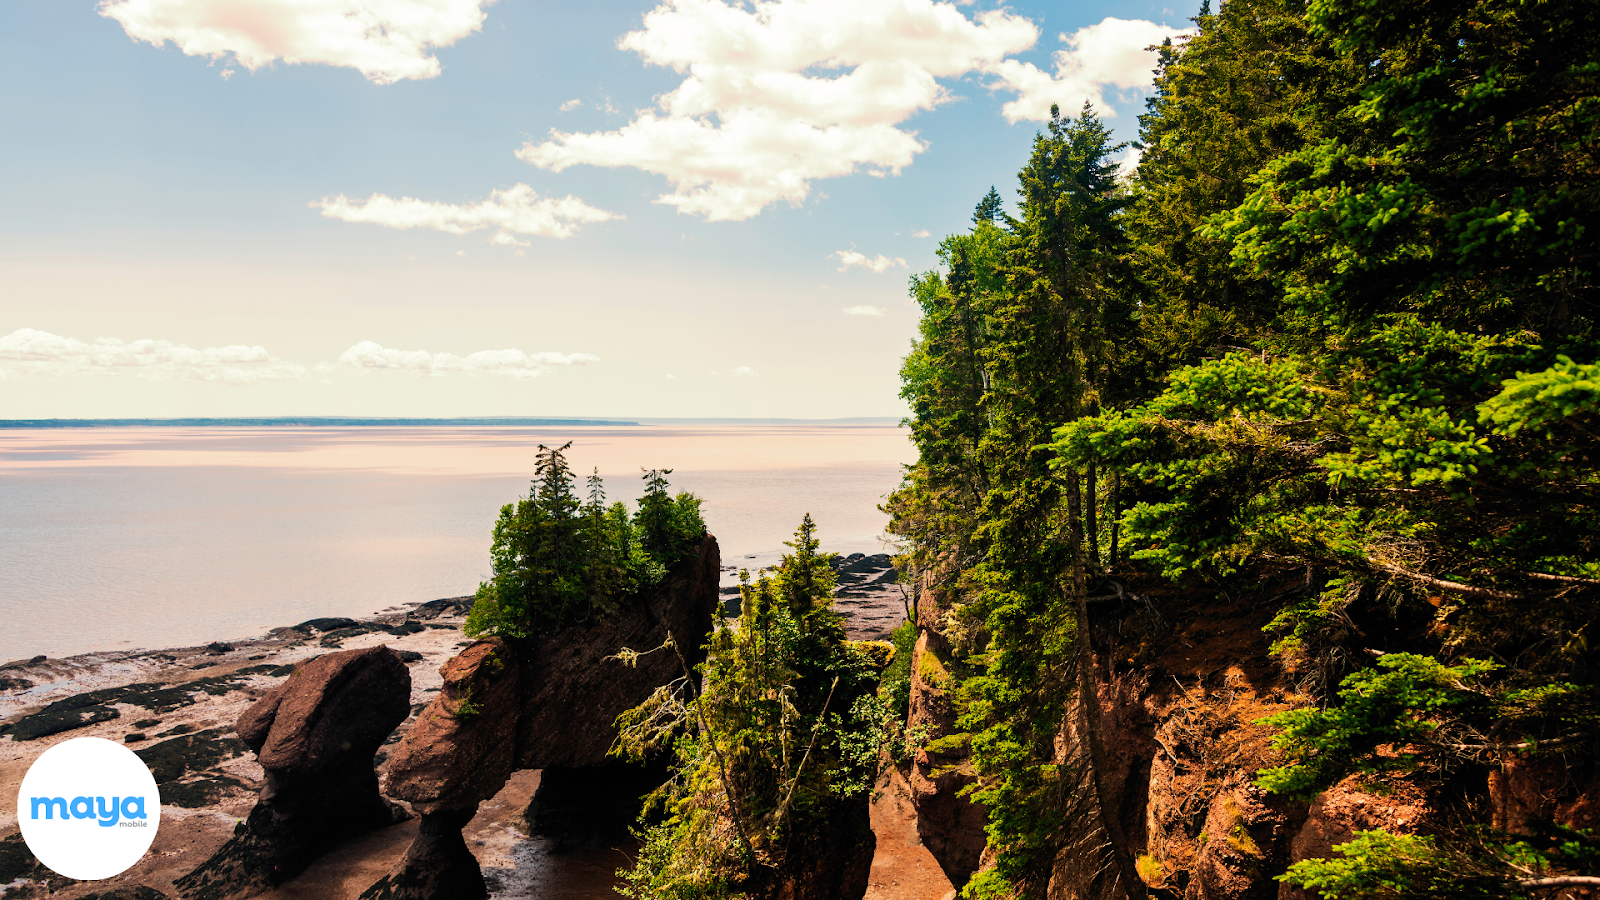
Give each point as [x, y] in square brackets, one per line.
[89, 808]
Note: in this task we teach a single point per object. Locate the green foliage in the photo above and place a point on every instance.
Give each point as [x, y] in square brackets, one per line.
[895, 689]
[466, 707]
[669, 527]
[1414, 700]
[1401, 702]
[990, 208]
[788, 724]
[1255, 82]
[557, 560]
[1378, 865]
[1341, 323]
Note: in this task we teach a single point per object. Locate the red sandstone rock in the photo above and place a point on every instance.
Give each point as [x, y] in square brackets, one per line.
[458, 753]
[328, 708]
[573, 691]
[315, 735]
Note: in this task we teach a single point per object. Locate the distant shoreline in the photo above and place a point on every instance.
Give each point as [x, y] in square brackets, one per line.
[386, 422]
[302, 421]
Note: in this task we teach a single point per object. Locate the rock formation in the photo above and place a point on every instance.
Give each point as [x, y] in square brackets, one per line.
[950, 826]
[574, 692]
[457, 754]
[546, 704]
[591, 806]
[315, 735]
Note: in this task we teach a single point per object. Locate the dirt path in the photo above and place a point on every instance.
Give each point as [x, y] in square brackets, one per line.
[902, 869]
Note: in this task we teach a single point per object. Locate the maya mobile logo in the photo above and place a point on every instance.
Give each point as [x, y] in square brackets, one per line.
[89, 808]
[109, 812]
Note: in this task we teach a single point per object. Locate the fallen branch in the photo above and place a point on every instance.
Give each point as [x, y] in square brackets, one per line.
[727, 780]
[1455, 586]
[1560, 882]
[1525, 745]
[1564, 579]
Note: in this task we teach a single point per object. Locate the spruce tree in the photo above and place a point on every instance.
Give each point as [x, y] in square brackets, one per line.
[990, 208]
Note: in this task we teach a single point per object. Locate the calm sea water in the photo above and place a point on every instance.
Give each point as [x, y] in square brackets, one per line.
[161, 537]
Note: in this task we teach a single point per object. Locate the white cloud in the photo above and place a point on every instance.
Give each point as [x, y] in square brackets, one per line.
[1128, 161]
[571, 105]
[744, 372]
[1110, 53]
[864, 311]
[878, 264]
[781, 93]
[27, 352]
[518, 210]
[370, 356]
[385, 40]
[921, 233]
[30, 353]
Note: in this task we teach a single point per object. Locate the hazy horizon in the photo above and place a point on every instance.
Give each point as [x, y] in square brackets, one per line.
[161, 537]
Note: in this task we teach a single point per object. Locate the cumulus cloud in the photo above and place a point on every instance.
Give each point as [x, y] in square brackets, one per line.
[27, 352]
[921, 233]
[517, 210]
[1110, 53]
[878, 264]
[864, 311]
[744, 372]
[571, 105]
[371, 356]
[778, 94]
[384, 40]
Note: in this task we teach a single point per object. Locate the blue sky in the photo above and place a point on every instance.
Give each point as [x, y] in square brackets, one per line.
[207, 227]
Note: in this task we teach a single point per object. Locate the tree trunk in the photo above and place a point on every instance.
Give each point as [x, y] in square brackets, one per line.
[1116, 518]
[1091, 496]
[1089, 705]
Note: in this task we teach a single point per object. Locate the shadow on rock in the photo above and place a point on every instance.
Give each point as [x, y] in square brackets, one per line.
[315, 735]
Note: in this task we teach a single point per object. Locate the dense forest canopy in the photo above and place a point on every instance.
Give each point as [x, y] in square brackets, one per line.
[1336, 331]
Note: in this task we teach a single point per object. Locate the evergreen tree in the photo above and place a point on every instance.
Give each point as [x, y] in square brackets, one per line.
[558, 560]
[990, 208]
[785, 729]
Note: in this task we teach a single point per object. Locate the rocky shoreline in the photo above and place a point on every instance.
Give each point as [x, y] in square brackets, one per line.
[177, 709]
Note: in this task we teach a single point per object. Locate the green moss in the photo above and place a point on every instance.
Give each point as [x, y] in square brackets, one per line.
[932, 670]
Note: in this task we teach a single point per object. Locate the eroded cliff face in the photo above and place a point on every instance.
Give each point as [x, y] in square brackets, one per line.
[950, 826]
[1183, 681]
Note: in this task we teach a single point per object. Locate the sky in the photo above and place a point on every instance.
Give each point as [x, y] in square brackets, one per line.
[689, 208]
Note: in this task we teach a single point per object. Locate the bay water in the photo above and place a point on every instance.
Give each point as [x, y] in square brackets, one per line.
[124, 538]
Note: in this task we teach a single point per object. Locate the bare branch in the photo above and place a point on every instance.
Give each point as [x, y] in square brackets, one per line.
[1440, 583]
[1564, 579]
[1525, 745]
[821, 718]
[1560, 882]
